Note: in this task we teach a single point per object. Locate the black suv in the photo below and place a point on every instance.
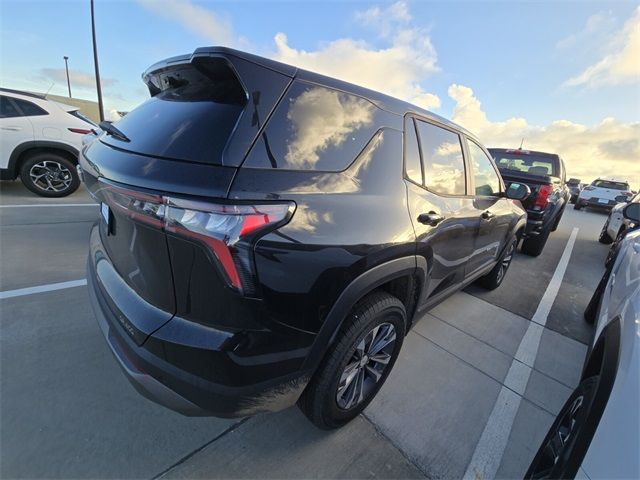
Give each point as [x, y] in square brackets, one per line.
[268, 234]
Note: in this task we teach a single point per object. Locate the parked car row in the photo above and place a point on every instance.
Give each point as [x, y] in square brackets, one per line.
[596, 433]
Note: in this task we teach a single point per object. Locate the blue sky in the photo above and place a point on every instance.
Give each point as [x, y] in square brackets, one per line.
[502, 69]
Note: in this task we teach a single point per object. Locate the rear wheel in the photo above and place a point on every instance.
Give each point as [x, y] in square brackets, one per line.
[357, 364]
[604, 235]
[553, 459]
[49, 174]
[493, 279]
[533, 246]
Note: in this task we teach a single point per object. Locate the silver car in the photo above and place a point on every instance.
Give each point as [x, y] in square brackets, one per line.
[596, 435]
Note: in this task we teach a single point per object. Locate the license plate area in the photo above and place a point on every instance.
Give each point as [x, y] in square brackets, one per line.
[603, 200]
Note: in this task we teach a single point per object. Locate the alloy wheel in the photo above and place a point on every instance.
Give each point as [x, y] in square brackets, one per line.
[506, 261]
[50, 176]
[366, 365]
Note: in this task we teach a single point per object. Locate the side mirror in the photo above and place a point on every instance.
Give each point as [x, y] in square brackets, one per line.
[518, 191]
[632, 212]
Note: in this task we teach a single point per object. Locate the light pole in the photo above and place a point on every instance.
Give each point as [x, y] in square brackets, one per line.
[66, 66]
[95, 62]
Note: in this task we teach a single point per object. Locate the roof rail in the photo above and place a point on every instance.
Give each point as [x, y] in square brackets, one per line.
[22, 92]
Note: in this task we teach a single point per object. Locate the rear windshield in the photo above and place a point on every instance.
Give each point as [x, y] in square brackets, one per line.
[527, 163]
[610, 185]
[191, 118]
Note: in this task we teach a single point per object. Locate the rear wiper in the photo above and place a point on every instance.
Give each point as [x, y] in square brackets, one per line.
[113, 131]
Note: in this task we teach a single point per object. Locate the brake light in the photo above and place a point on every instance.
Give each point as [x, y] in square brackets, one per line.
[542, 197]
[82, 131]
[228, 231]
[589, 187]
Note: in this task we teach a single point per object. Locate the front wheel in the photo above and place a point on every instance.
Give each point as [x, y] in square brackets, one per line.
[358, 363]
[604, 235]
[49, 174]
[493, 279]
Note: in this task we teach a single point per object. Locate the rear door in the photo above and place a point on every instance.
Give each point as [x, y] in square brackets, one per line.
[444, 218]
[15, 129]
[494, 211]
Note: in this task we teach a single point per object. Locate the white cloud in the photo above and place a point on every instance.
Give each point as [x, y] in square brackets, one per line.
[610, 147]
[409, 54]
[621, 63]
[197, 19]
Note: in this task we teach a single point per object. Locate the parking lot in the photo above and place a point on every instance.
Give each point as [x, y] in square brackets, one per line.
[479, 380]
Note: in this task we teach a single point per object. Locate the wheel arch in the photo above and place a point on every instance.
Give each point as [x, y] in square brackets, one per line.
[403, 277]
[24, 150]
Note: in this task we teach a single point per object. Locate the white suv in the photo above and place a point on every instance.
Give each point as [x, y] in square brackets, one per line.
[39, 142]
[603, 194]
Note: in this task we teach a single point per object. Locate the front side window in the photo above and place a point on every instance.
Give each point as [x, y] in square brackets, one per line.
[7, 108]
[315, 128]
[486, 179]
[29, 109]
[442, 159]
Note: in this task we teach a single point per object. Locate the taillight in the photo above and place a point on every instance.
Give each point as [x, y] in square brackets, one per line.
[82, 131]
[542, 197]
[228, 231]
[589, 187]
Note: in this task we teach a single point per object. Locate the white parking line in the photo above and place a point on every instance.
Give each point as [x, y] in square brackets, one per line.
[38, 205]
[42, 288]
[488, 454]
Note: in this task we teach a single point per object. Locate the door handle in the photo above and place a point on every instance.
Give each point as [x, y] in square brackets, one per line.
[487, 215]
[431, 218]
[11, 129]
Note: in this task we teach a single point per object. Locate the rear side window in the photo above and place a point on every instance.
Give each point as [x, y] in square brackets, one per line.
[315, 128]
[442, 159]
[190, 118]
[29, 109]
[486, 179]
[7, 108]
[412, 165]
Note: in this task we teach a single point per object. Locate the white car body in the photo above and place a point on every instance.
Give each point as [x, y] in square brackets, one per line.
[52, 128]
[616, 220]
[614, 451]
[596, 195]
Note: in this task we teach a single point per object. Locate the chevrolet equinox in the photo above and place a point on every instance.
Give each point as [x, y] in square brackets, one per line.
[268, 235]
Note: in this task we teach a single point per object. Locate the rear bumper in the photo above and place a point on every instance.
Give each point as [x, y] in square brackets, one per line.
[198, 370]
[594, 203]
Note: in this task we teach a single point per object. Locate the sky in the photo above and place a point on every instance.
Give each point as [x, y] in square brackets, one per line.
[565, 76]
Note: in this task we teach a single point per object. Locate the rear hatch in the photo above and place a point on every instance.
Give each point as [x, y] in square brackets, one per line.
[182, 145]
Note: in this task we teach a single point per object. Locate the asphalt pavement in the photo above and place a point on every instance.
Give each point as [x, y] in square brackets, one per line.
[479, 380]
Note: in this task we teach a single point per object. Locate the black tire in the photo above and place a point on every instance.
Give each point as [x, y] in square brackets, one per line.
[533, 246]
[320, 400]
[555, 457]
[557, 221]
[49, 174]
[604, 236]
[577, 206]
[494, 278]
[591, 312]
